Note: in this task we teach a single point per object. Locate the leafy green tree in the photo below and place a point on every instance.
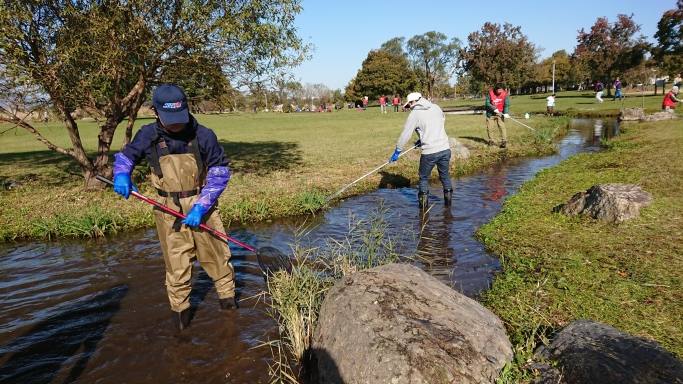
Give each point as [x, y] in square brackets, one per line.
[338, 96]
[669, 50]
[203, 82]
[349, 93]
[104, 56]
[433, 58]
[562, 69]
[499, 54]
[611, 48]
[382, 73]
[394, 46]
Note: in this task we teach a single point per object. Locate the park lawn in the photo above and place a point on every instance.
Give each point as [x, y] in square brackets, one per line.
[573, 103]
[558, 269]
[282, 165]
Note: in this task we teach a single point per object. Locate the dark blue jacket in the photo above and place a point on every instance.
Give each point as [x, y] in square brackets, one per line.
[212, 153]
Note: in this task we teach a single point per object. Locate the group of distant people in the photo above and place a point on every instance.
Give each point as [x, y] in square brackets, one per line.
[383, 102]
[668, 103]
[600, 87]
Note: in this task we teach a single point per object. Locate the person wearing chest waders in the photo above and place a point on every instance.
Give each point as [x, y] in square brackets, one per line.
[427, 120]
[189, 172]
[497, 106]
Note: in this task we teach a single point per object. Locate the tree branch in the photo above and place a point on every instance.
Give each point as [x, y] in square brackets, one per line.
[7, 117]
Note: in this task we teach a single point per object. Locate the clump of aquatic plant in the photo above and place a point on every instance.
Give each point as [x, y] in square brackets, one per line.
[296, 298]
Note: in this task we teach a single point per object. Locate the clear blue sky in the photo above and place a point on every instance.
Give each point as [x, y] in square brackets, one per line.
[345, 31]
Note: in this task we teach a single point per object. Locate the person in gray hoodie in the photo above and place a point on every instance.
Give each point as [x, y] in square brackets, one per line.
[427, 120]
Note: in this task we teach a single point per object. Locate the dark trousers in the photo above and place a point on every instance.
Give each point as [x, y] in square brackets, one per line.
[427, 162]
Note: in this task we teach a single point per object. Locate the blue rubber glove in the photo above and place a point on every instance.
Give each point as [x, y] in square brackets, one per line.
[194, 217]
[394, 157]
[123, 185]
[418, 143]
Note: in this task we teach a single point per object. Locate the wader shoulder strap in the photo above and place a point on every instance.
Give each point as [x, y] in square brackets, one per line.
[155, 155]
[194, 148]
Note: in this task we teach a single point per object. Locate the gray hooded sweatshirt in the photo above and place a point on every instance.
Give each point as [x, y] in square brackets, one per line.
[427, 120]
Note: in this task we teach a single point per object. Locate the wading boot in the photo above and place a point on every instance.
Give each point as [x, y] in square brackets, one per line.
[503, 144]
[423, 199]
[491, 143]
[227, 304]
[447, 196]
[181, 319]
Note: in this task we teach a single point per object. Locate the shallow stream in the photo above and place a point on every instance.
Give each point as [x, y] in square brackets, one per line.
[97, 311]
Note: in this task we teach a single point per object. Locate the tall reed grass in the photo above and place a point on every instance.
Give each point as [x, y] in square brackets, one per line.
[296, 298]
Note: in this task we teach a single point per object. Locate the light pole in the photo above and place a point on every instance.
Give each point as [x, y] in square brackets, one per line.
[553, 76]
[455, 88]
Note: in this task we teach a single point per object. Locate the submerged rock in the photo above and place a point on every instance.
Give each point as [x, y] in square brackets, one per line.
[397, 324]
[590, 352]
[614, 203]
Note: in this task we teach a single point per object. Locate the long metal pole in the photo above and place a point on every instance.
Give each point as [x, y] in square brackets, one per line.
[519, 122]
[339, 192]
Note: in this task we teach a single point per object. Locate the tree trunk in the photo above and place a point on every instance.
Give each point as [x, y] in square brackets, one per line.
[132, 116]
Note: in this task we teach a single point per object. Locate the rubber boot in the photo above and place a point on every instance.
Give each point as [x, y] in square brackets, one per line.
[181, 319]
[447, 196]
[227, 304]
[423, 199]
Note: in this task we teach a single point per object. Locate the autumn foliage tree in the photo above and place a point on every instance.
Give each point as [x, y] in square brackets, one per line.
[499, 54]
[610, 48]
[669, 51]
[104, 56]
[433, 58]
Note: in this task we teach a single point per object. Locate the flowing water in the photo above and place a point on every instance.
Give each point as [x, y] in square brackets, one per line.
[97, 311]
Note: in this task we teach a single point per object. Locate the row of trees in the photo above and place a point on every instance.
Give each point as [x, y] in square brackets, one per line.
[502, 53]
[104, 57]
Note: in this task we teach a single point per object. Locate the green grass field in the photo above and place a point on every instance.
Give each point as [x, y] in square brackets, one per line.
[558, 269]
[282, 164]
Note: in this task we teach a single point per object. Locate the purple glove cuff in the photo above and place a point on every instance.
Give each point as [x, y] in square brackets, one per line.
[122, 164]
[216, 181]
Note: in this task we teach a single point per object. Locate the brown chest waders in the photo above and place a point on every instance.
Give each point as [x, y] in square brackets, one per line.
[178, 179]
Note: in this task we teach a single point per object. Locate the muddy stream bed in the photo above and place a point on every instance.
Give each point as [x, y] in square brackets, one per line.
[97, 312]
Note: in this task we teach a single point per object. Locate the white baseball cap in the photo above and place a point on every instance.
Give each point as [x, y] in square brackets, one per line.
[412, 97]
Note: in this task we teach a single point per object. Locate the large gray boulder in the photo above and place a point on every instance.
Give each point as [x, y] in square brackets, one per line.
[396, 324]
[458, 151]
[663, 115]
[590, 352]
[614, 203]
[631, 114]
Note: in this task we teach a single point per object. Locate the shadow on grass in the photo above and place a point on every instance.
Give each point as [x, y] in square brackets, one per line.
[477, 139]
[39, 164]
[391, 180]
[263, 157]
[259, 158]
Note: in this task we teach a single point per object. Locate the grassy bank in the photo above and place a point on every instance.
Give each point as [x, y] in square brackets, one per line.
[282, 165]
[558, 269]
